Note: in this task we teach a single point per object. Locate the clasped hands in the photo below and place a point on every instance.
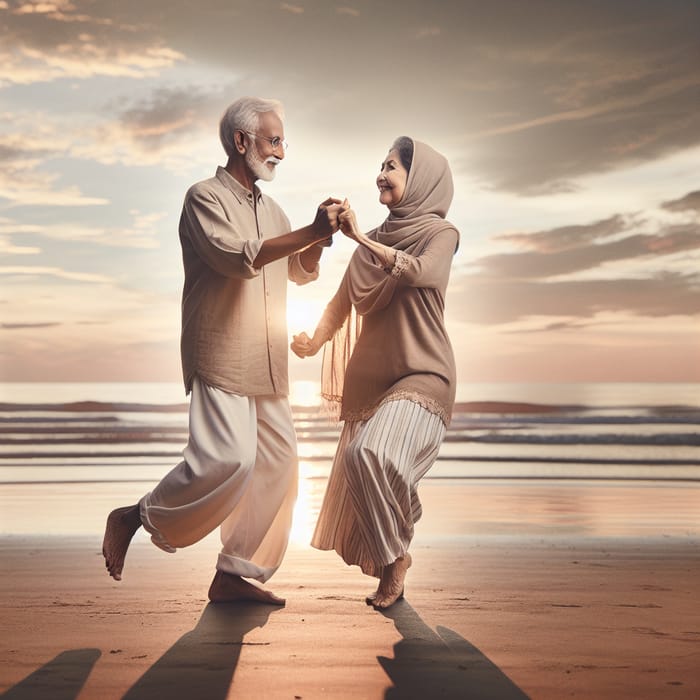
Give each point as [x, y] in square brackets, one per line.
[332, 214]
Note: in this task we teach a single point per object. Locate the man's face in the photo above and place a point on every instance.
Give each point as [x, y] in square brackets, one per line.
[262, 157]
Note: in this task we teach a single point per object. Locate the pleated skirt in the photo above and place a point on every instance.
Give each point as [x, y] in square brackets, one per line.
[371, 502]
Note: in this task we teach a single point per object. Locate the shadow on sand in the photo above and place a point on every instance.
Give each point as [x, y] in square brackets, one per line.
[202, 662]
[440, 664]
[61, 678]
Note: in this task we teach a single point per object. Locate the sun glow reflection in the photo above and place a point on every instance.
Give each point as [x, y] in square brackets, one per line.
[303, 311]
[305, 393]
[307, 505]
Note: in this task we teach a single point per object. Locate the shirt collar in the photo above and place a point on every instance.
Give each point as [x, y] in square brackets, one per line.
[240, 192]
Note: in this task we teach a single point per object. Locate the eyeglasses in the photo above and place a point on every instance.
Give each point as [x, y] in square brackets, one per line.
[275, 141]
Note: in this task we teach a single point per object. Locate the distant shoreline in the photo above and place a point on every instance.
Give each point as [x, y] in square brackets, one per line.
[500, 407]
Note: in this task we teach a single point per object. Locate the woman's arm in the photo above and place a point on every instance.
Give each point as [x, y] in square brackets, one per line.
[425, 270]
[385, 255]
[333, 318]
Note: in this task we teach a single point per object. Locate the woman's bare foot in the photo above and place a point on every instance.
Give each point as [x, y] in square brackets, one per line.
[391, 583]
[227, 588]
[122, 523]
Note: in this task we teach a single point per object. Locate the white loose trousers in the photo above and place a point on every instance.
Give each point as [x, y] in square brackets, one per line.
[371, 502]
[239, 472]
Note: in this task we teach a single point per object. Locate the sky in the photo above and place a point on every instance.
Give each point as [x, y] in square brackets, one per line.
[572, 129]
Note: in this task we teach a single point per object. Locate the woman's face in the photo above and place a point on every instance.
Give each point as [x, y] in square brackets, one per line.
[391, 180]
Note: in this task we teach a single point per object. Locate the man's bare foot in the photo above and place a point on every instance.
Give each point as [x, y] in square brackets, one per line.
[122, 523]
[227, 588]
[391, 583]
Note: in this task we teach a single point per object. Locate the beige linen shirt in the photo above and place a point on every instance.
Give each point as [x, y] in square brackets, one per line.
[234, 328]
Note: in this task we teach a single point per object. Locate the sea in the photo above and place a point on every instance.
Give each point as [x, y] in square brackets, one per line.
[82, 433]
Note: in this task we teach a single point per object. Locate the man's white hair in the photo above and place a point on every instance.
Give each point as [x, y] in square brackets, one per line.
[244, 115]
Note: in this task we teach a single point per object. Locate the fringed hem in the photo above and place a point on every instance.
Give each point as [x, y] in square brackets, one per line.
[426, 402]
[330, 406]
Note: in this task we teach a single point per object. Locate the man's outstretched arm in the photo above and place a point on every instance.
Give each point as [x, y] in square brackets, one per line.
[324, 225]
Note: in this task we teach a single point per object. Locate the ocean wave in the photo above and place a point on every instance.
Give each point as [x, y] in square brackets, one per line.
[107, 439]
[626, 439]
[93, 407]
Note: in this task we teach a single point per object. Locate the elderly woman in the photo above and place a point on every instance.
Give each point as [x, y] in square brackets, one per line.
[390, 368]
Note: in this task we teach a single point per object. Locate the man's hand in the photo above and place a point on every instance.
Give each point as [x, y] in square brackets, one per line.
[326, 222]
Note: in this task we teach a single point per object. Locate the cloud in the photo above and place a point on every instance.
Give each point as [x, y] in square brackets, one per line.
[293, 9]
[23, 180]
[557, 326]
[691, 202]
[567, 237]
[521, 105]
[428, 32]
[172, 128]
[55, 8]
[506, 301]
[56, 272]
[580, 271]
[45, 41]
[589, 92]
[543, 264]
[25, 326]
[172, 115]
[22, 188]
[9, 248]
[167, 128]
[547, 154]
[143, 232]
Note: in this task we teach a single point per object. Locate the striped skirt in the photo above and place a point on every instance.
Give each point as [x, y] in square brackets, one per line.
[371, 502]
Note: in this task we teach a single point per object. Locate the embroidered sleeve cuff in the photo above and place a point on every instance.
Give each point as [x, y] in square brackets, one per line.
[400, 265]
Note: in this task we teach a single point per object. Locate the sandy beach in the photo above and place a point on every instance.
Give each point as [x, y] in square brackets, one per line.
[518, 590]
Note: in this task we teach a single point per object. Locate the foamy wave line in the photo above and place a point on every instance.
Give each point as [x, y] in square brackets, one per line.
[626, 440]
[135, 407]
[32, 458]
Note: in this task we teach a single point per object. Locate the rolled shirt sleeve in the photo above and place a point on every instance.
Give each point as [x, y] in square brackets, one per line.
[298, 273]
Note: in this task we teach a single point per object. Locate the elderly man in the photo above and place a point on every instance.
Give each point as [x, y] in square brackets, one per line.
[239, 468]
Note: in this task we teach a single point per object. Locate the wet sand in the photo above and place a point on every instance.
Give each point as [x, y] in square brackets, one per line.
[518, 589]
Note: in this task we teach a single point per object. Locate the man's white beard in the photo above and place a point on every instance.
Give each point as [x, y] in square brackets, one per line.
[259, 167]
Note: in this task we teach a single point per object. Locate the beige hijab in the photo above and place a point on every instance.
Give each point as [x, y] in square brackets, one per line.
[418, 217]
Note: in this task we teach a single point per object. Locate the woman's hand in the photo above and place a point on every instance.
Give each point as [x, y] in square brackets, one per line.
[303, 346]
[348, 222]
[385, 255]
